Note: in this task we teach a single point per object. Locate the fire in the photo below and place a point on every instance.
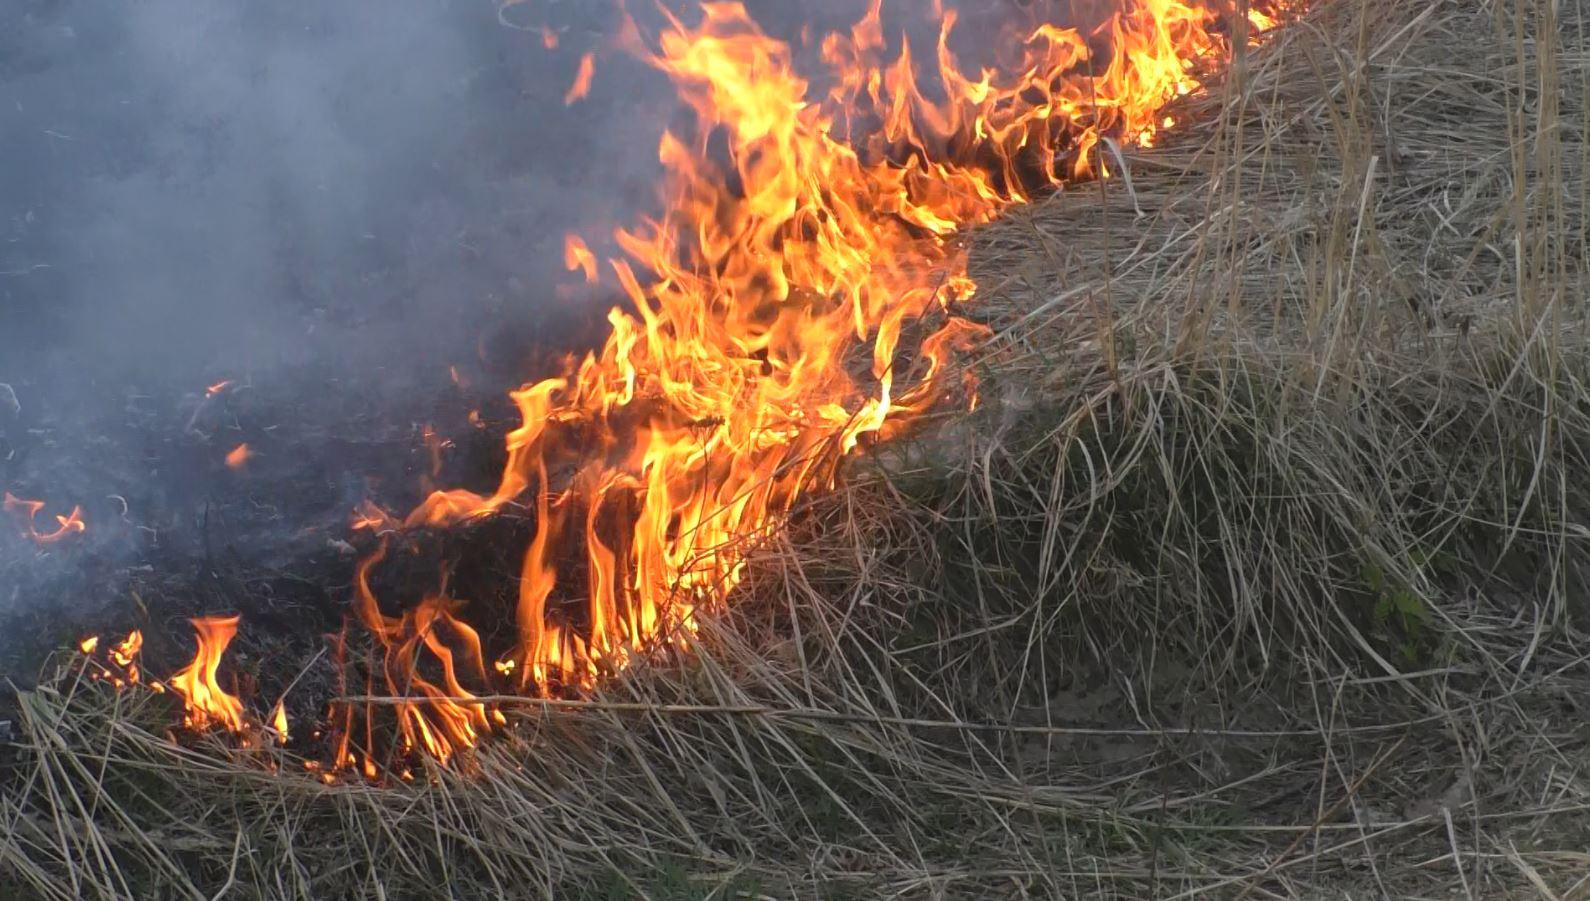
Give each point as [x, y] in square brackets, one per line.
[576, 256]
[279, 722]
[446, 718]
[207, 702]
[238, 457]
[218, 388]
[120, 666]
[27, 511]
[125, 653]
[582, 81]
[796, 298]
[807, 226]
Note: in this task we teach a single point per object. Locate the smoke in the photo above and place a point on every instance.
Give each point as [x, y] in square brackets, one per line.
[191, 191]
[324, 203]
[197, 189]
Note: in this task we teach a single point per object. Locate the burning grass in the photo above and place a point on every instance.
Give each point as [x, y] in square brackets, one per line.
[1259, 570]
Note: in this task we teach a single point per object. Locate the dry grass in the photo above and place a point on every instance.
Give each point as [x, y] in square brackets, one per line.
[1261, 573]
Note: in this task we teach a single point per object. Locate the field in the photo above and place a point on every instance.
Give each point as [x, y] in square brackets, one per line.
[1260, 570]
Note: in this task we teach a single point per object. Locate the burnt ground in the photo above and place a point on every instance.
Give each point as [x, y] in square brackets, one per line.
[173, 532]
[326, 206]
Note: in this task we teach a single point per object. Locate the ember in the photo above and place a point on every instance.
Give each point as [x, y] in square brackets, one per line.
[238, 457]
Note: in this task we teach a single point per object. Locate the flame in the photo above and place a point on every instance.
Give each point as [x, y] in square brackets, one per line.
[279, 721]
[218, 388]
[444, 716]
[239, 457]
[26, 511]
[576, 256]
[582, 81]
[207, 702]
[121, 659]
[125, 653]
[549, 38]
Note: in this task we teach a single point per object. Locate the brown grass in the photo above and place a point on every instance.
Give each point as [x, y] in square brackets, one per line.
[1260, 572]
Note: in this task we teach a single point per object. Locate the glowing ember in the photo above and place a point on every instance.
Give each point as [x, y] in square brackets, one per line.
[26, 512]
[218, 388]
[207, 702]
[238, 457]
[89, 644]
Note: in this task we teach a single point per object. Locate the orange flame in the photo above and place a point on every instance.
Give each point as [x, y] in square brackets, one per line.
[218, 387]
[239, 457]
[794, 300]
[582, 81]
[26, 511]
[125, 654]
[121, 659]
[279, 722]
[207, 702]
[576, 256]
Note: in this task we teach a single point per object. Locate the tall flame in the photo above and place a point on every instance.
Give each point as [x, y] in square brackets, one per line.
[207, 702]
[802, 231]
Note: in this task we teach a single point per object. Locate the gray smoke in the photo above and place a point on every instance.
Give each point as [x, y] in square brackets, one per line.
[192, 187]
[194, 190]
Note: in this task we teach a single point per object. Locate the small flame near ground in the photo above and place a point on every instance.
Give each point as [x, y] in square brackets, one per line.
[120, 667]
[25, 512]
[207, 702]
[279, 721]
